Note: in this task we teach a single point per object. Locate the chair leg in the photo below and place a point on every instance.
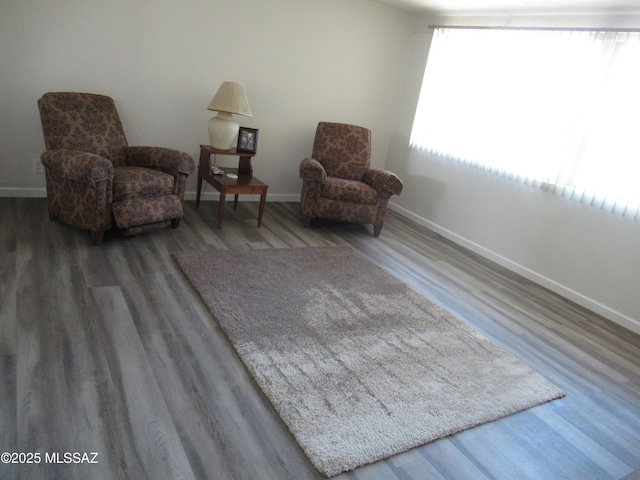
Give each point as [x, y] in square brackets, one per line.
[306, 221]
[376, 229]
[97, 237]
[175, 223]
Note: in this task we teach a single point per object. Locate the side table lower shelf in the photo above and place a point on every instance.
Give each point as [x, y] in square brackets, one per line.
[242, 185]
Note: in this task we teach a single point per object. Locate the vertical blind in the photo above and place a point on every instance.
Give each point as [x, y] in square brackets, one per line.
[557, 109]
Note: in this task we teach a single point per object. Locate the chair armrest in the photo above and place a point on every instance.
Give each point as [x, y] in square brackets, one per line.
[383, 181]
[77, 165]
[312, 170]
[164, 158]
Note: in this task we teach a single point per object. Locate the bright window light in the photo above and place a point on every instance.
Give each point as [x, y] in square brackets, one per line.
[553, 108]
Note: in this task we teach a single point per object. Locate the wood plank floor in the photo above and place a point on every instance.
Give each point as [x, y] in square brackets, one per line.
[109, 350]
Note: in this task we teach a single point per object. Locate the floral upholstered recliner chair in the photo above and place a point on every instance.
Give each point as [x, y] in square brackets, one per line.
[95, 180]
[337, 183]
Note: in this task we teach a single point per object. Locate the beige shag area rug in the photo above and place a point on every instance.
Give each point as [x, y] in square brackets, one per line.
[358, 365]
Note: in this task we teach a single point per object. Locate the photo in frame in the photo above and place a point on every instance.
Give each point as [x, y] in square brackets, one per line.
[247, 140]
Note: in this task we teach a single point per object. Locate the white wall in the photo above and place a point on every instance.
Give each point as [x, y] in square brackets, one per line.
[301, 61]
[583, 253]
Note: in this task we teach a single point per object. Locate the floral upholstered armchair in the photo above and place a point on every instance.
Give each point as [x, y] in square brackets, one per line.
[95, 181]
[337, 183]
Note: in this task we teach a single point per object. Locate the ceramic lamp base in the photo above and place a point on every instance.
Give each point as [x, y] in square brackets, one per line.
[223, 131]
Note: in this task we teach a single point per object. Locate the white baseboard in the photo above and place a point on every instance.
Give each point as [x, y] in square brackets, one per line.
[577, 297]
[23, 192]
[271, 197]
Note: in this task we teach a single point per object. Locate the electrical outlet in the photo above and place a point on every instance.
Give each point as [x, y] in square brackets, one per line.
[38, 167]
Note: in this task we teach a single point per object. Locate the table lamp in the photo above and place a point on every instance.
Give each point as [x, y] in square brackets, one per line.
[223, 129]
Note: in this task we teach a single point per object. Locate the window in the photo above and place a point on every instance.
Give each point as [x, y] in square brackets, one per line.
[555, 109]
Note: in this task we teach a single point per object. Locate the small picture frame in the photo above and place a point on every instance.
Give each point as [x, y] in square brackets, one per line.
[247, 140]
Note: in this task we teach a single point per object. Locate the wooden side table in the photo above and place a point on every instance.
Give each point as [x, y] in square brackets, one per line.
[245, 184]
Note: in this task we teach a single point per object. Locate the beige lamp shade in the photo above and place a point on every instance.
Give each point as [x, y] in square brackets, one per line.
[231, 98]
[223, 129]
